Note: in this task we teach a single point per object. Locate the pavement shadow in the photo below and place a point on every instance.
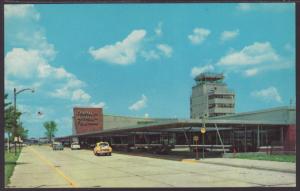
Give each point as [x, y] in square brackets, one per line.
[152, 155]
[15, 163]
[175, 156]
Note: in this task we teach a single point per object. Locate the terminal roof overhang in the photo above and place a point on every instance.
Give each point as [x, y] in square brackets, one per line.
[176, 125]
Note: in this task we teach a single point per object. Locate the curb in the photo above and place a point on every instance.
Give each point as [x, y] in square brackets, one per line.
[239, 166]
[251, 167]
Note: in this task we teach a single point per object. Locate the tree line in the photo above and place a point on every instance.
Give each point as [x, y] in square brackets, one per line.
[10, 119]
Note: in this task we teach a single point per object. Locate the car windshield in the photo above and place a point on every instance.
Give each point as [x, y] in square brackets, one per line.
[103, 144]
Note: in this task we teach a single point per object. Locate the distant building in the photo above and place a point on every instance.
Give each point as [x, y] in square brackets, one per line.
[211, 97]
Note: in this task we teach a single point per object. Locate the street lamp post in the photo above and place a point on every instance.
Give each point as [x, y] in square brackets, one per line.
[15, 113]
[203, 131]
[203, 138]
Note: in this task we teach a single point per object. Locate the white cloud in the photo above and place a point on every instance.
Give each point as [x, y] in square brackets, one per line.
[162, 50]
[256, 53]
[158, 29]
[198, 70]
[20, 11]
[150, 55]
[123, 52]
[140, 104]
[254, 59]
[244, 6]
[251, 72]
[165, 49]
[73, 82]
[23, 63]
[79, 94]
[100, 104]
[62, 73]
[36, 40]
[199, 35]
[94, 105]
[268, 94]
[229, 35]
[62, 93]
[146, 115]
[30, 64]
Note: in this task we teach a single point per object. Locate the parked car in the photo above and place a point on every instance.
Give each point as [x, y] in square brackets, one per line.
[66, 144]
[57, 146]
[75, 145]
[102, 148]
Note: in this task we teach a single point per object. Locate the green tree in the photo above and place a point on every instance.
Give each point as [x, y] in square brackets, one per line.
[51, 128]
[10, 118]
[6, 103]
[22, 132]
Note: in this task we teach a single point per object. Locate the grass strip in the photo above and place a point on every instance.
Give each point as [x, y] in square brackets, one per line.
[267, 157]
[10, 163]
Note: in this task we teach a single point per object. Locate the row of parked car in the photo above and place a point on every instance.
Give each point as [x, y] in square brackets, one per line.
[101, 148]
[60, 146]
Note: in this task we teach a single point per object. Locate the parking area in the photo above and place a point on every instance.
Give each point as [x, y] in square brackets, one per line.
[41, 167]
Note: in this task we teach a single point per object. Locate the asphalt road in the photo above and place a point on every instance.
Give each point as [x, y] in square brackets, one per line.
[41, 167]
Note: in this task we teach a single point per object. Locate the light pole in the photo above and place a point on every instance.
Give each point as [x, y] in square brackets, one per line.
[203, 131]
[15, 112]
[203, 138]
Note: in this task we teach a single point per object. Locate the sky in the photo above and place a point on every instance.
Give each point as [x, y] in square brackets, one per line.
[141, 59]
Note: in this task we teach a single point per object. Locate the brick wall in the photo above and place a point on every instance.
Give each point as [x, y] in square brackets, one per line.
[290, 138]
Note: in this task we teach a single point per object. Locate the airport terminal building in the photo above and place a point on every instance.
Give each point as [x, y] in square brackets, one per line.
[268, 130]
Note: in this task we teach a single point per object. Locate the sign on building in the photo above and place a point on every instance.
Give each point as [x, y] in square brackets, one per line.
[195, 138]
[88, 120]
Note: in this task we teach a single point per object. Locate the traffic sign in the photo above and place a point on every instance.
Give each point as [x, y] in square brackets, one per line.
[203, 130]
[196, 138]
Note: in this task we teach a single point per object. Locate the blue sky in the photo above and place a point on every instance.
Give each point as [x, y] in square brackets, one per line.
[140, 59]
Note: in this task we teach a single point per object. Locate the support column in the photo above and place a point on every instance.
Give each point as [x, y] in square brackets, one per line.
[232, 132]
[281, 137]
[187, 141]
[220, 138]
[258, 136]
[245, 140]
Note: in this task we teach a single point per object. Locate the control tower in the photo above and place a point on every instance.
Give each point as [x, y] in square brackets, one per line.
[211, 97]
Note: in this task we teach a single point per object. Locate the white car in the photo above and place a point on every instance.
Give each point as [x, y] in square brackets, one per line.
[75, 145]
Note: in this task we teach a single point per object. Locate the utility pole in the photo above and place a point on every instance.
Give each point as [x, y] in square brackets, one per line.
[15, 120]
[15, 115]
[203, 131]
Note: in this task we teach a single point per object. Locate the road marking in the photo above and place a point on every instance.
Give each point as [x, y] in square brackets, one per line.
[57, 170]
[189, 161]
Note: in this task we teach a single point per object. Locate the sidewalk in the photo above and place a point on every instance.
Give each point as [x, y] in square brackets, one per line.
[252, 164]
